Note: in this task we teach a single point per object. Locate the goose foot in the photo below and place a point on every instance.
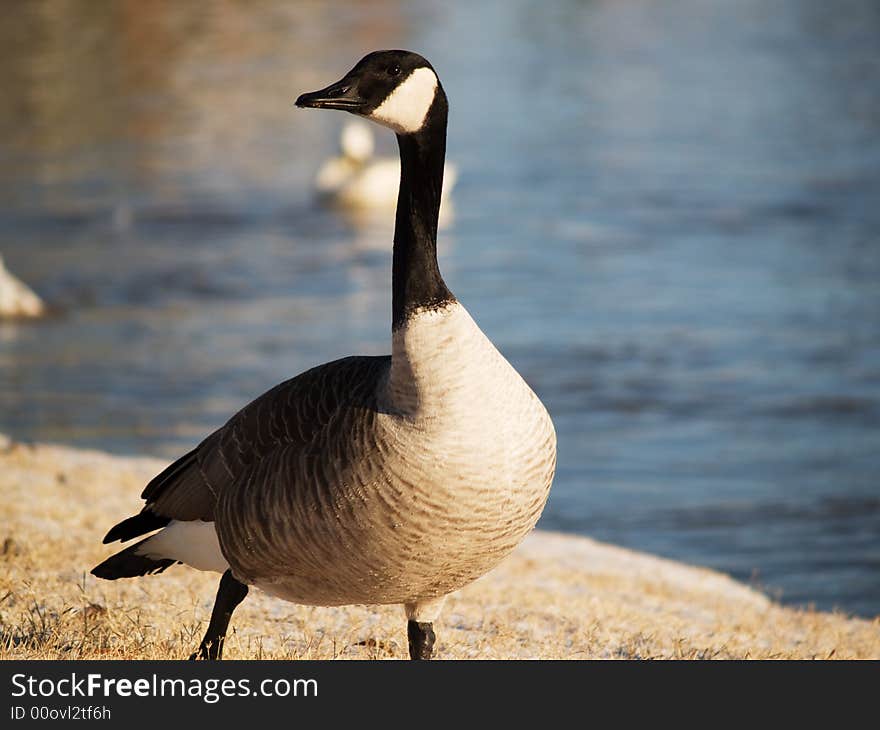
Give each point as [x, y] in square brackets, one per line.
[229, 595]
[421, 639]
[208, 652]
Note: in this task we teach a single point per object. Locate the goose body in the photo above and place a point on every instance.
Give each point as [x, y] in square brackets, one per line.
[377, 480]
[424, 493]
[16, 298]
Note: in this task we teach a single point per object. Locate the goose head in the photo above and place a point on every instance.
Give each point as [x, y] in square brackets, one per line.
[397, 89]
[356, 142]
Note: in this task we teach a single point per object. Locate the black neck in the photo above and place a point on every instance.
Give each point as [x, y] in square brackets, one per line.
[415, 279]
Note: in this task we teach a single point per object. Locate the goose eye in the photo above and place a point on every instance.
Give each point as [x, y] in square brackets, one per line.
[394, 69]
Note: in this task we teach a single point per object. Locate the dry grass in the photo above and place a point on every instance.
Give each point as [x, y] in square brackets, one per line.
[557, 597]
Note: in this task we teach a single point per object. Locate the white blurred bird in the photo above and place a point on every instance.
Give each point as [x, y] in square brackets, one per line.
[16, 298]
[357, 179]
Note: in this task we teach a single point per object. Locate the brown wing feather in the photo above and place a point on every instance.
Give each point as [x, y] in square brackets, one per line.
[292, 414]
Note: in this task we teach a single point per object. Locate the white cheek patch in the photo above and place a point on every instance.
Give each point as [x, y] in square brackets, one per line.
[406, 107]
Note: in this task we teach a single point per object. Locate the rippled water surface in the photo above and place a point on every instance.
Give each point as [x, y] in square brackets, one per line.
[668, 218]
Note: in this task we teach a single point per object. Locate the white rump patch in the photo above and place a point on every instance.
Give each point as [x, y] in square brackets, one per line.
[194, 543]
[406, 107]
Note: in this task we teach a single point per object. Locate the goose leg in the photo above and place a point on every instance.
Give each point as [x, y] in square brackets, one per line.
[420, 626]
[421, 639]
[229, 595]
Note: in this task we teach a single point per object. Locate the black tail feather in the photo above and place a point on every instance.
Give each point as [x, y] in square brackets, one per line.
[143, 522]
[127, 564]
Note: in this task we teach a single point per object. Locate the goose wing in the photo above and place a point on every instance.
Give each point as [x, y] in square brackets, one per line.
[292, 415]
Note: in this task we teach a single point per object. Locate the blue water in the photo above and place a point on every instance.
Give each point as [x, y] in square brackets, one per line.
[668, 218]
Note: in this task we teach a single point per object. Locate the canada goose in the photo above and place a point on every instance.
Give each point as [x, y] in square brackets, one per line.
[358, 179]
[368, 480]
[16, 298]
